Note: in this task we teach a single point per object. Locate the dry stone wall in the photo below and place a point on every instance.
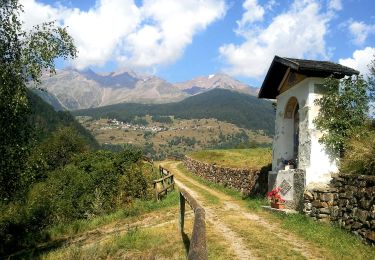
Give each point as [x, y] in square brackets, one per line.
[349, 201]
[249, 182]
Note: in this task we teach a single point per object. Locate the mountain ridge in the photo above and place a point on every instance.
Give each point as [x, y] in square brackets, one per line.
[219, 80]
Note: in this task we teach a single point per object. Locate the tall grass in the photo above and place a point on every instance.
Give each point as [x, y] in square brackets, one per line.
[135, 209]
[340, 243]
[254, 158]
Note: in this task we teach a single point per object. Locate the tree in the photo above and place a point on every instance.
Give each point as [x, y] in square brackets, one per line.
[53, 153]
[371, 86]
[23, 57]
[343, 111]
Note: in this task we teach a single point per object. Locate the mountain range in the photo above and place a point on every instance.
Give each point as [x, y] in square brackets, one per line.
[72, 89]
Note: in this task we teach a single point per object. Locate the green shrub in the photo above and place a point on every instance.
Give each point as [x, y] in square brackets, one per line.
[54, 152]
[93, 184]
[360, 154]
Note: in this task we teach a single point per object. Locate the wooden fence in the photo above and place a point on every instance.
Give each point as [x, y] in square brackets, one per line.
[164, 184]
[198, 248]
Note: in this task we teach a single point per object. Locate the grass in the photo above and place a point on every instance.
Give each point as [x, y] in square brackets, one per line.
[236, 158]
[136, 243]
[338, 243]
[262, 241]
[155, 242]
[216, 246]
[136, 209]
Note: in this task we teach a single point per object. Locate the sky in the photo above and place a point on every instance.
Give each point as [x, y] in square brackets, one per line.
[182, 39]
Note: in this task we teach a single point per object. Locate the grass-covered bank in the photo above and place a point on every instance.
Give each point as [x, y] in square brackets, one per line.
[132, 211]
[66, 239]
[338, 243]
[136, 243]
[254, 158]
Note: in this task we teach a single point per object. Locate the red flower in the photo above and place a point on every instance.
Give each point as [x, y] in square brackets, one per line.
[274, 195]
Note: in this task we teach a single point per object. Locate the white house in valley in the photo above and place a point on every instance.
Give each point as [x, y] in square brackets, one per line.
[296, 84]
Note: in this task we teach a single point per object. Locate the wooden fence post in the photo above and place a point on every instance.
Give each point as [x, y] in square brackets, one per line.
[182, 212]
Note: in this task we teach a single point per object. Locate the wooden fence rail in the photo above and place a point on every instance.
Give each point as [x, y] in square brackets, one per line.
[198, 248]
[165, 183]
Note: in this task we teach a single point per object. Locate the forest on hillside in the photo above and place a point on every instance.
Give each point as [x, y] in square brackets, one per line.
[240, 109]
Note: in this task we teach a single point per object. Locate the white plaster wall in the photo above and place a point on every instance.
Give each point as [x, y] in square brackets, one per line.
[313, 157]
[283, 139]
[322, 164]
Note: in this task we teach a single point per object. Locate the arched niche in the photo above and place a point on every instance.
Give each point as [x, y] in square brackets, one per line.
[291, 129]
[290, 107]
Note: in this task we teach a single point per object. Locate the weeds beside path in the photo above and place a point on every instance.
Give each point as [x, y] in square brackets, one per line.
[253, 234]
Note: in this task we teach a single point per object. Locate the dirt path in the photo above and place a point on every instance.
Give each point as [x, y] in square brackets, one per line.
[249, 235]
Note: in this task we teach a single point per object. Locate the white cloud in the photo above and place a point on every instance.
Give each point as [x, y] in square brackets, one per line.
[98, 31]
[335, 5]
[173, 27]
[298, 32]
[153, 34]
[360, 60]
[253, 13]
[37, 13]
[360, 31]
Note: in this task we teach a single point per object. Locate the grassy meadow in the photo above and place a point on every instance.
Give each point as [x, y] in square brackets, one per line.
[254, 158]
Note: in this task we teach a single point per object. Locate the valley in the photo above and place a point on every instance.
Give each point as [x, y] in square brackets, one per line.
[173, 136]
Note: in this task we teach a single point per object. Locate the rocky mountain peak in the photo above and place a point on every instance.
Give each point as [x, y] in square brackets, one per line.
[218, 80]
[77, 89]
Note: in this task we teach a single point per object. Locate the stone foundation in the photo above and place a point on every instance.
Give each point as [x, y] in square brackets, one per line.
[348, 201]
[292, 184]
[249, 182]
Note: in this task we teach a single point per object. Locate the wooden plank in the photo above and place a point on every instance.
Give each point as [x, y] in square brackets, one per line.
[182, 213]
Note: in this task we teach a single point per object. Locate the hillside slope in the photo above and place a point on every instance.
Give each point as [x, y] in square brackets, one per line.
[46, 119]
[240, 109]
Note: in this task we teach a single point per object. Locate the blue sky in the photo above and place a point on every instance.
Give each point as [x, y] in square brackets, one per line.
[179, 40]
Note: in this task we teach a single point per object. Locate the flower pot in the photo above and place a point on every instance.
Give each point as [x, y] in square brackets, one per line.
[277, 205]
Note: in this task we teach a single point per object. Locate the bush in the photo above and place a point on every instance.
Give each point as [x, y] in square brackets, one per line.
[54, 152]
[360, 155]
[93, 184]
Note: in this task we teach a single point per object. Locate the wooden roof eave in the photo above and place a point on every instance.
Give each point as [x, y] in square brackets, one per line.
[280, 66]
